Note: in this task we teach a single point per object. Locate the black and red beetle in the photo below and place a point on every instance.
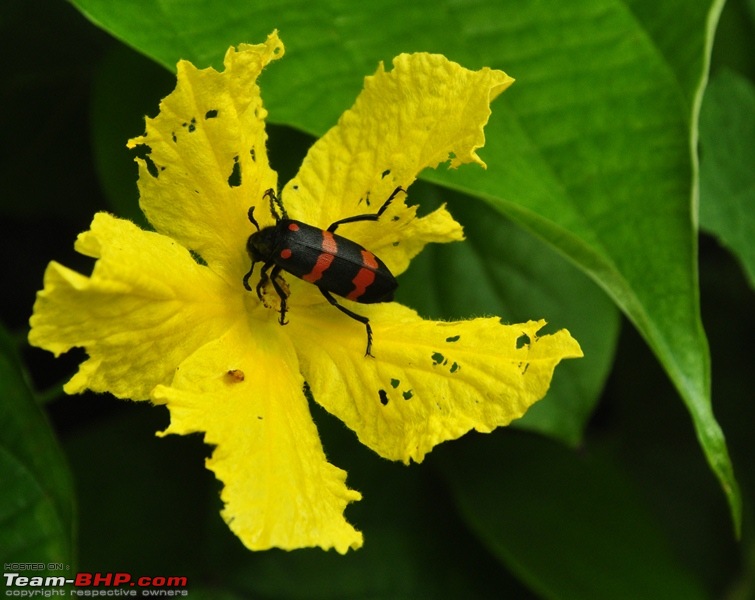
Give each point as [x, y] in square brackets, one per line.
[335, 264]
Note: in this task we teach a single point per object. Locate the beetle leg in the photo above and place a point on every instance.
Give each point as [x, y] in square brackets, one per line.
[246, 279]
[279, 285]
[264, 278]
[353, 315]
[276, 279]
[375, 217]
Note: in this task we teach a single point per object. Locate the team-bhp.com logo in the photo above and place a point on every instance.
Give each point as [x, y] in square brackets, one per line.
[93, 585]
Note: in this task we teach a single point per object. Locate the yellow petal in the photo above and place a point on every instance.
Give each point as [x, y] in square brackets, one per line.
[208, 161]
[431, 381]
[245, 393]
[425, 111]
[146, 307]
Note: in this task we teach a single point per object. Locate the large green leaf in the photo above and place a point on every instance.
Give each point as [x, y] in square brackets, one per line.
[36, 504]
[592, 149]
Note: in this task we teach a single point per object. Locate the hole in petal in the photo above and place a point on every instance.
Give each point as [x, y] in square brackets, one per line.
[383, 397]
[198, 258]
[523, 340]
[211, 114]
[453, 339]
[151, 167]
[395, 383]
[408, 394]
[234, 179]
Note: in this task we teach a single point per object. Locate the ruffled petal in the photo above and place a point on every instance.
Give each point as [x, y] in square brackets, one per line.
[146, 307]
[431, 381]
[207, 162]
[245, 393]
[425, 111]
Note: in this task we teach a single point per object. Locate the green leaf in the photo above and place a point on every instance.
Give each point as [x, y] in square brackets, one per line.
[682, 46]
[502, 270]
[36, 506]
[196, 30]
[727, 176]
[568, 524]
[591, 150]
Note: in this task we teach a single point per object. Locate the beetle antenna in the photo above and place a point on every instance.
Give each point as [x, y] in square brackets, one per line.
[252, 220]
[273, 201]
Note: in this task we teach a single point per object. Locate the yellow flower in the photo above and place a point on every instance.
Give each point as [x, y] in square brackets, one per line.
[165, 317]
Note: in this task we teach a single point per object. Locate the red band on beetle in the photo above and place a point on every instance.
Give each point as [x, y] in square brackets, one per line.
[329, 243]
[363, 280]
[365, 277]
[323, 262]
[329, 250]
[369, 260]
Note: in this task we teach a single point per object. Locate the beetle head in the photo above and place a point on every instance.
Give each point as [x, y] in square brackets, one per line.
[261, 243]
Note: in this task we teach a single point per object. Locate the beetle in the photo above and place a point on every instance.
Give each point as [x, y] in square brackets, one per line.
[333, 263]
